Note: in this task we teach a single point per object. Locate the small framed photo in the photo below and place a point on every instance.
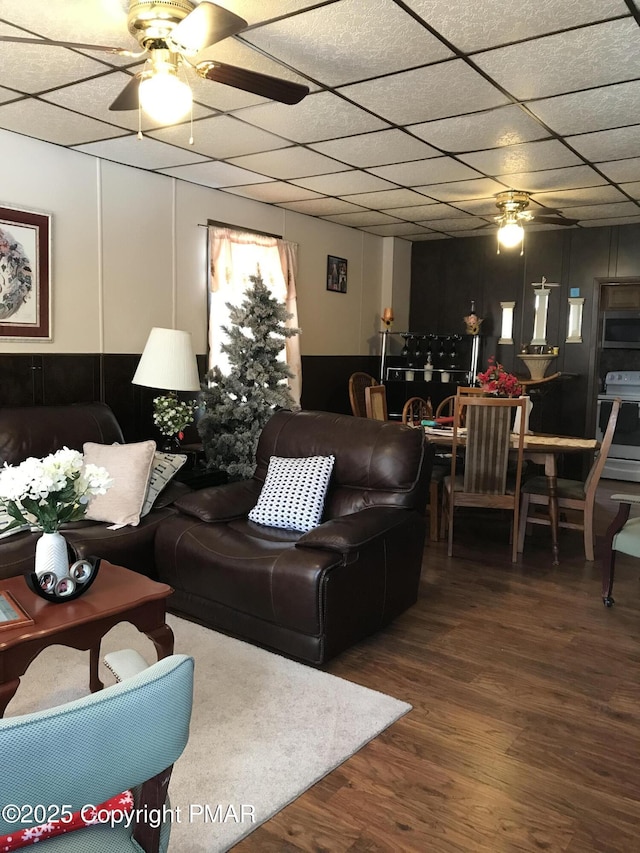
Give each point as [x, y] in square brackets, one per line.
[25, 275]
[336, 274]
[11, 614]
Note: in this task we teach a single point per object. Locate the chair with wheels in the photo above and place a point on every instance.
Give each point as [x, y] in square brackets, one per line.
[357, 383]
[572, 494]
[123, 739]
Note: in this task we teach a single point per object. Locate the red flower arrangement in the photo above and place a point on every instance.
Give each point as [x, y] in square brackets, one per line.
[496, 380]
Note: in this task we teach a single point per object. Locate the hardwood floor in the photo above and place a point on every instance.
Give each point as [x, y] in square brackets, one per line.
[526, 710]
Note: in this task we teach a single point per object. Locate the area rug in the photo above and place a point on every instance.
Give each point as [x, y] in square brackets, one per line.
[263, 729]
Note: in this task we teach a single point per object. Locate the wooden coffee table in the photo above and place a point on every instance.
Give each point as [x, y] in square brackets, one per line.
[117, 595]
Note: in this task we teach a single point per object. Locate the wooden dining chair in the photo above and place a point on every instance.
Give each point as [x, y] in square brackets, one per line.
[375, 400]
[416, 410]
[487, 445]
[357, 383]
[572, 494]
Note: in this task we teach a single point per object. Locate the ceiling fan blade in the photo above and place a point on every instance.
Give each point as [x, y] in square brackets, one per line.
[206, 25]
[555, 220]
[251, 81]
[117, 51]
[129, 98]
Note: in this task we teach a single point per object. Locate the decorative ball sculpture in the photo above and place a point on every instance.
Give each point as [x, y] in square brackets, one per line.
[57, 588]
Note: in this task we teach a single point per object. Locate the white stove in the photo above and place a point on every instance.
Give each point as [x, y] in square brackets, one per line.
[622, 383]
[623, 461]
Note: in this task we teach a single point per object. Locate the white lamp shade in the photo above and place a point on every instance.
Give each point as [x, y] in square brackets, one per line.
[168, 362]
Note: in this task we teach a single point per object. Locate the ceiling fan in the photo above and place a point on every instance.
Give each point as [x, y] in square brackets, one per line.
[171, 33]
[513, 205]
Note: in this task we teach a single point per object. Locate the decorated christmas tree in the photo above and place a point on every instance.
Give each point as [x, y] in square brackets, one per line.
[238, 405]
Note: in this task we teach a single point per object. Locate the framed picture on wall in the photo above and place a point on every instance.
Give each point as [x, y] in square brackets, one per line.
[336, 274]
[25, 275]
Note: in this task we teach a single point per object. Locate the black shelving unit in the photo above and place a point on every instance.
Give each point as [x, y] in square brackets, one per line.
[403, 375]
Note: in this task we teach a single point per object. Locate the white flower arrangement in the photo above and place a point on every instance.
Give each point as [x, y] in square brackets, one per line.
[171, 415]
[46, 493]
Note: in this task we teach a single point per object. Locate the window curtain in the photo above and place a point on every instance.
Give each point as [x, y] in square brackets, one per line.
[236, 255]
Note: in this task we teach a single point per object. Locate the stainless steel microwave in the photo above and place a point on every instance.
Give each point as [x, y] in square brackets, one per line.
[621, 330]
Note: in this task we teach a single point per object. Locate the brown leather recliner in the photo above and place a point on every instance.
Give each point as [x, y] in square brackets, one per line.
[307, 595]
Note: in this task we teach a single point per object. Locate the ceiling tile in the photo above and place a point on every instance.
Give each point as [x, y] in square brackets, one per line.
[8, 95]
[144, 153]
[215, 175]
[454, 223]
[425, 171]
[632, 189]
[528, 157]
[344, 183]
[290, 163]
[274, 192]
[572, 198]
[622, 170]
[44, 121]
[400, 97]
[604, 211]
[355, 53]
[322, 206]
[388, 199]
[479, 206]
[319, 116]
[428, 211]
[608, 144]
[595, 109]
[367, 217]
[488, 129]
[22, 64]
[221, 137]
[430, 235]
[376, 149]
[599, 223]
[102, 22]
[498, 22]
[394, 230]
[556, 64]
[554, 179]
[414, 212]
[256, 11]
[463, 190]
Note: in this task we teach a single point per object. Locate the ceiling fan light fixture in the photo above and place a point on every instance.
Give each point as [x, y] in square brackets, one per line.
[164, 97]
[510, 234]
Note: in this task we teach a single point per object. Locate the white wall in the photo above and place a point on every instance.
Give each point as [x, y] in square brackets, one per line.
[129, 253]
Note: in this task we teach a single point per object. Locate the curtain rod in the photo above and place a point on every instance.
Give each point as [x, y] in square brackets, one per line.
[211, 222]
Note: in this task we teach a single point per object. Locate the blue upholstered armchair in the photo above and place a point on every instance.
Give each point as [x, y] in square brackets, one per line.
[125, 737]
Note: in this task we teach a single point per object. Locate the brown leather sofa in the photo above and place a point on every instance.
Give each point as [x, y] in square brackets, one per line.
[307, 595]
[39, 430]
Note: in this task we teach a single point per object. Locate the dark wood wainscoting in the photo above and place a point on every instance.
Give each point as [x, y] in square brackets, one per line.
[49, 380]
[325, 380]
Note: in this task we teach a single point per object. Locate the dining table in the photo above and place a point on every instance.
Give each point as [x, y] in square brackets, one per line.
[542, 449]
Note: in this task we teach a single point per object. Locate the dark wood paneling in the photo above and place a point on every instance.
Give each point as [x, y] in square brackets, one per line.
[325, 380]
[70, 379]
[20, 376]
[446, 274]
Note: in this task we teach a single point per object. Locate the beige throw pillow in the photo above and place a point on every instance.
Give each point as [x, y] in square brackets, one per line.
[129, 466]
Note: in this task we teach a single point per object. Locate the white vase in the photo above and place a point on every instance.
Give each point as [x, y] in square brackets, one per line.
[527, 415]
[51, 559]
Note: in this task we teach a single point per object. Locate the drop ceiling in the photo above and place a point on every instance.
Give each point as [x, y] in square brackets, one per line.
[420, 111]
